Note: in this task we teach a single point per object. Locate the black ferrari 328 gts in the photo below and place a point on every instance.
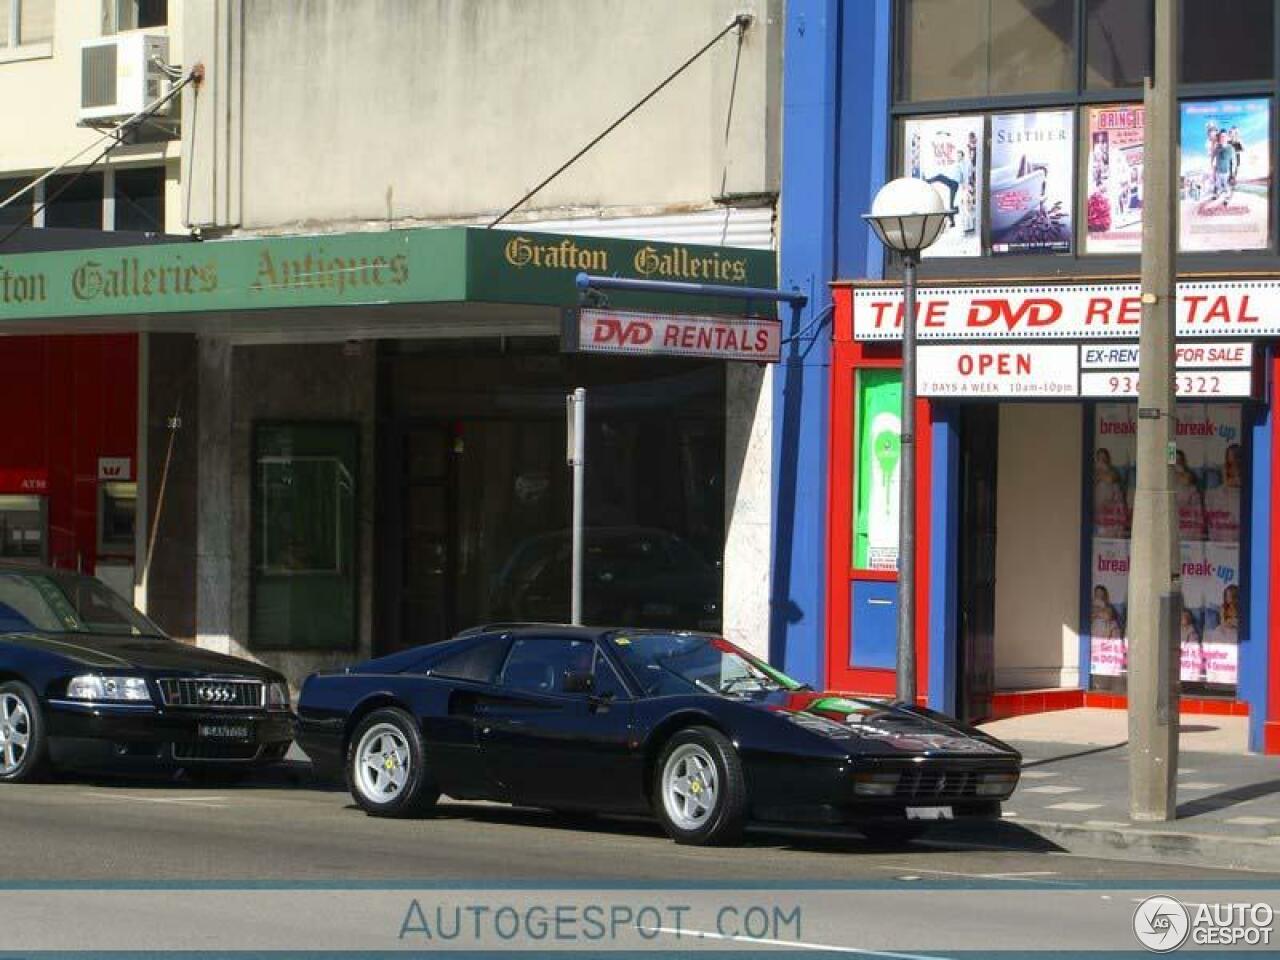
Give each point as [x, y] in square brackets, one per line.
[683, 725]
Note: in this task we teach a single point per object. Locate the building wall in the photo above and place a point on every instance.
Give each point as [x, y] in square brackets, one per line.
[40, 88]
[297, 382]
[345, 113]
[65, 402]
[1038, 536]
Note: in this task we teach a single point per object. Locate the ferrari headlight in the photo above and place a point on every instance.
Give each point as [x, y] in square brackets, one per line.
[997, 784]
[277, 696]
[875, 784]
[109, 689]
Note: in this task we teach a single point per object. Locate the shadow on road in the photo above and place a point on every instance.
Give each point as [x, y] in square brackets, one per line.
[1075, 755]
[993, 835]
[1227, 798]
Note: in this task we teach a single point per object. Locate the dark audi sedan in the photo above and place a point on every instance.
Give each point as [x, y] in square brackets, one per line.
[86, 681]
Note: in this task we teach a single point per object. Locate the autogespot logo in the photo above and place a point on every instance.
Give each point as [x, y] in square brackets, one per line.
[1161, 924]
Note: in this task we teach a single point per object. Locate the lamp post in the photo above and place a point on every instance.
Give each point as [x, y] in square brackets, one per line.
[907, 215]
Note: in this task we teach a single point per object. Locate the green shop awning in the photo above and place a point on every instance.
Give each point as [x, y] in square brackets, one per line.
[276, 283]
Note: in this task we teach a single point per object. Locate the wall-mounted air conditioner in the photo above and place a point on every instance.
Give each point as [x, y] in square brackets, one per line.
[119, 75]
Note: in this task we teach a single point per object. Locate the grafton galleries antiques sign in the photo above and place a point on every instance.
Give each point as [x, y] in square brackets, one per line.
[1239, 309]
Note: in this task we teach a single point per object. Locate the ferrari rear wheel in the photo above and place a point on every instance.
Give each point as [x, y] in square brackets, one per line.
[387, 767]
[700, 793]
[23, 756]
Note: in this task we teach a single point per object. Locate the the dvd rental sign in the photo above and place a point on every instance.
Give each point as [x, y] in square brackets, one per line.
[1061, 342]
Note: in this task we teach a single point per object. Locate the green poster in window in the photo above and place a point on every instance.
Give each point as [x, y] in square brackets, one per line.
[878, 474]
[304, 536]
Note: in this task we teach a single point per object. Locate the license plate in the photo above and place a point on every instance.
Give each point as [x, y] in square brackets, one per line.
[929, 813]
[224, 731]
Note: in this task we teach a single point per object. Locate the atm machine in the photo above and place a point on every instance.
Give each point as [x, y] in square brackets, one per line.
[117, 520]
[24, 528]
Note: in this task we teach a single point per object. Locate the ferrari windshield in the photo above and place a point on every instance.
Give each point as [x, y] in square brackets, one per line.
[49, 602]
[670, 663]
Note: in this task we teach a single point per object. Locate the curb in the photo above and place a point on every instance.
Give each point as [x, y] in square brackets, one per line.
[1158, 846]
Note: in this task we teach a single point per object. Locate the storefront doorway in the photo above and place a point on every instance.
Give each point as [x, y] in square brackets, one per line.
[475, 497]
[979, 449]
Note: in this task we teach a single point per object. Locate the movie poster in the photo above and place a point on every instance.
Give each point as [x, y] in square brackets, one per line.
[1029, 193]
[879, 477]
[1208, 475]
[1110, 586]
[1113, 208]
[1225, 171]
[947, 153]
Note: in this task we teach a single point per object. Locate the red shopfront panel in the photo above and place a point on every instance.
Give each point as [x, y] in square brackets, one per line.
[856, 598]
[66, 402]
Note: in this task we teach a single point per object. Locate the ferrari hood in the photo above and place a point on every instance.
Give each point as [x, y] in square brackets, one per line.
[883, 728]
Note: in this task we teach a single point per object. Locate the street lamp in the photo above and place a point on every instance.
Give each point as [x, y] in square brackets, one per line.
[908, 215]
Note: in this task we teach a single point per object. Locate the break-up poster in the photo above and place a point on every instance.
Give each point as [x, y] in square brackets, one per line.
[1225, 173]
[947, 153]
[1029, 193]
[1113, 171]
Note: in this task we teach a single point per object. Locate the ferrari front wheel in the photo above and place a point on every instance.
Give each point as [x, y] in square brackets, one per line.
[700, 792]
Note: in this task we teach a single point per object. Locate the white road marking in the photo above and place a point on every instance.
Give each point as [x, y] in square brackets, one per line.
[1251, 821]
[1050, 788]
[1074, 806]
[1038, 774]
[1030, 876]
[1185, 770]
[794, 944]
[208, 802]
[1200, 786]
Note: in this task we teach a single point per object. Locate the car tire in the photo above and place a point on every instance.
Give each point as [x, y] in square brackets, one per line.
[24, 750]
[387, 766]
[699, 789]
[893, 833]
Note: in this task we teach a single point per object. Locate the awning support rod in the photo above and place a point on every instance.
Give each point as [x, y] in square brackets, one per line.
[589, 282]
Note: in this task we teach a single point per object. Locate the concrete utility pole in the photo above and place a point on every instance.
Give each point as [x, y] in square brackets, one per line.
[1155, 571]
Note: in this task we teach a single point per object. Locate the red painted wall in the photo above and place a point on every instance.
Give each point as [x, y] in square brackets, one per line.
[65, 401]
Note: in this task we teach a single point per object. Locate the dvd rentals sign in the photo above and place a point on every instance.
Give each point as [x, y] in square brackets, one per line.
[992, 352]
[630, 332]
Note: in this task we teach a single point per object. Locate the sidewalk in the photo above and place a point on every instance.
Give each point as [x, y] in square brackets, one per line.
[1075, 791]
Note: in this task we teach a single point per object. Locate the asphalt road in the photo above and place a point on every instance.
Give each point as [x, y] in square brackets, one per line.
[283, 828]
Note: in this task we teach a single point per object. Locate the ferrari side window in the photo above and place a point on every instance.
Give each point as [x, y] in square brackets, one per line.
[478, 663]
[607, 683]
[539, 664]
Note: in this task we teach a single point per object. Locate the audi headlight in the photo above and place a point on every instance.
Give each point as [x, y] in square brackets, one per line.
[997, 784]
[277, 696]
[109, 689]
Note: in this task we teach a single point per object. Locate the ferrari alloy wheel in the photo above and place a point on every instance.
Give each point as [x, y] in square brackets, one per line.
[699, 790]
[22, 745]
[386, 766]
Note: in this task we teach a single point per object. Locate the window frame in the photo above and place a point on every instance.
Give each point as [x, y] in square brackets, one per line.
[1077, 263]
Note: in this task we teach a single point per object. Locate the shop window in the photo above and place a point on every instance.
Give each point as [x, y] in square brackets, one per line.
[139, 199]
[74, 203]
[120, 15]
[950, 49]
[25, 22]
[1209, 477]
[304, 536]
[1117, 43]
[877, 474]
[20, 210]
[1227, 40]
